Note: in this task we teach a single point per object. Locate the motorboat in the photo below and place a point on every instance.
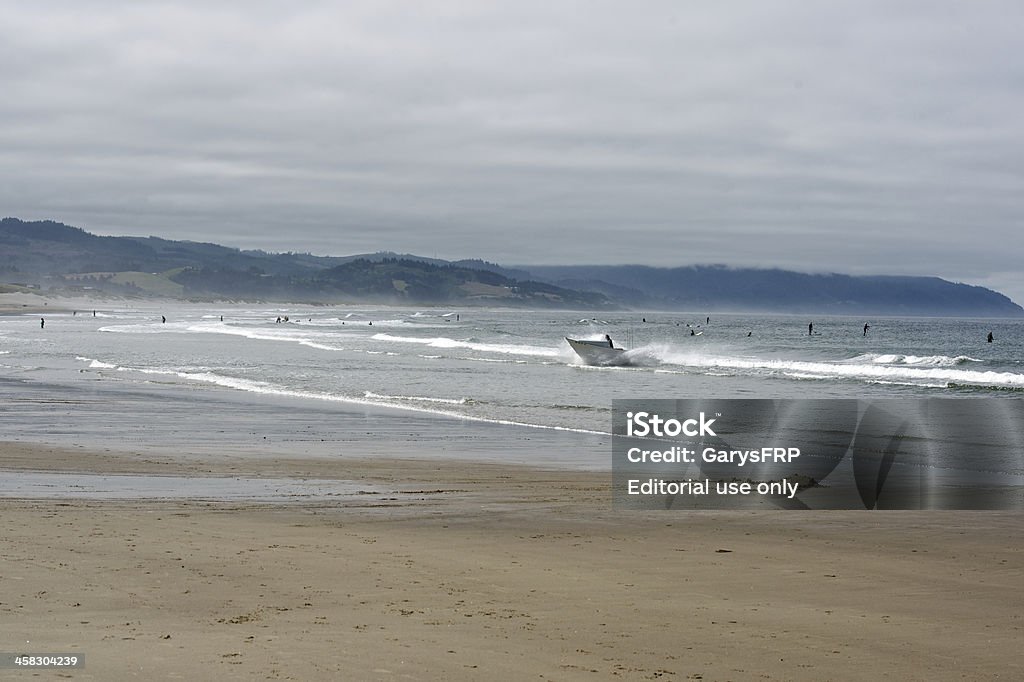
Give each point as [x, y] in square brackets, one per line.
[601, 352]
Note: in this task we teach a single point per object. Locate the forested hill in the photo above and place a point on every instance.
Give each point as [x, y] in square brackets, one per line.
[56, 256]
[717, 287]
[52, 255]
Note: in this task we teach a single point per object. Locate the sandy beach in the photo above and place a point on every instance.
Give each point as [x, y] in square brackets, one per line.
[33, 304]
[481, 571]
[171, 531]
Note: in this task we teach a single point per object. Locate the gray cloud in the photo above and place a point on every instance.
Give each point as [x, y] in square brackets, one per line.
[865, 137]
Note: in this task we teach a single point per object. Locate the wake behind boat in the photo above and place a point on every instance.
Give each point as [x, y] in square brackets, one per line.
[601, 352]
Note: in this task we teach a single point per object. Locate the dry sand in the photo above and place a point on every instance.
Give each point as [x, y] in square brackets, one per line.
[26, 303]
[33, 304]
[473, 571]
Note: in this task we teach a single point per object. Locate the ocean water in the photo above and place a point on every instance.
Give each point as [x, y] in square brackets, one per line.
[510, 366]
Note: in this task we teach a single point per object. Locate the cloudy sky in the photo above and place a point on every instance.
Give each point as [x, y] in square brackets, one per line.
[859, 137]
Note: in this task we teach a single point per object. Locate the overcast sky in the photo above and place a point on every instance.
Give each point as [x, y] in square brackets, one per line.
[858, 137]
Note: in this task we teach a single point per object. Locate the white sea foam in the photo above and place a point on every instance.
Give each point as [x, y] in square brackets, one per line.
[805, 375]
[95, 365]
[266, 388]
[415, 398]
[865, 370]
[446, 342]
[882, 382]
[921, 360]
[137, 329]
[287, 335]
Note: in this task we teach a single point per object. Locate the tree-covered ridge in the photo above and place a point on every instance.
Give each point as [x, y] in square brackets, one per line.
[52, 255]
[718, 287]
[390, 280]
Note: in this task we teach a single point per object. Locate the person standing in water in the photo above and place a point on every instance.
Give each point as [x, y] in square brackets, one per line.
[42, 325]
[866, 328]
[810, 328]
[990, 337]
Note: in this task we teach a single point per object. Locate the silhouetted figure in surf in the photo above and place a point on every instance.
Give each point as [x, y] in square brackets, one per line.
[866, 328]
[708, 321]
[42, 325]
[990, 337]
[163, 319]
[692, 333]
[750, 333]
[608, 338]
[810, 329]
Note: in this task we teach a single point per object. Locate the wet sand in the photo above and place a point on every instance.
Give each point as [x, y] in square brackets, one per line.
[467, 571]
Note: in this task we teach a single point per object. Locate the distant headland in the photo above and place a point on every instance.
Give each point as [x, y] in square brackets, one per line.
[51, 257]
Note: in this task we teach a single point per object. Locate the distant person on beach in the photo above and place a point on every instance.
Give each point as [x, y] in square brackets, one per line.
[692, 333]
[866, 328]
[94, 313]
[810, 329]
[42, 325]
[708, 321]
[990, 337]
[608, 338]
[750, 333]
[163, 319]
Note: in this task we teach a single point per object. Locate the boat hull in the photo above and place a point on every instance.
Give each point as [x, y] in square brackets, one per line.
[597, 352]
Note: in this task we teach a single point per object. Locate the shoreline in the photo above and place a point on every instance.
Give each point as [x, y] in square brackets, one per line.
[510, 572]
[211, 422]
[465, 550]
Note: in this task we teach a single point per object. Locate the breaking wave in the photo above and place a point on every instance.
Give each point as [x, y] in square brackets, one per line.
[918, 360]
[920, 370]
[445, 342]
